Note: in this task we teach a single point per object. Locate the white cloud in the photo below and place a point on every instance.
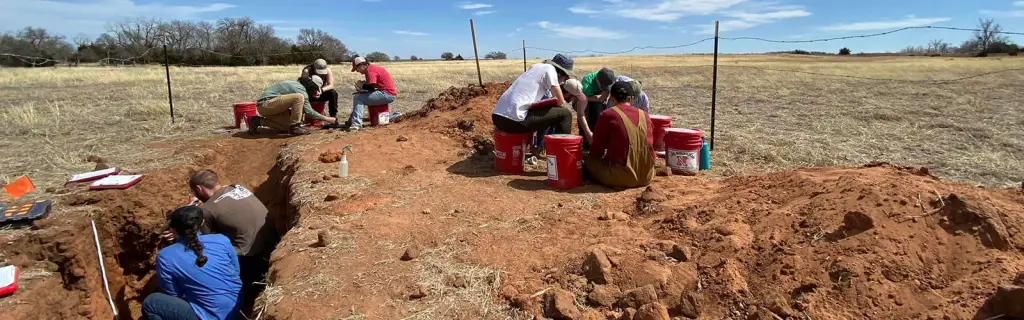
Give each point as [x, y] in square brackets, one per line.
[582, 10]
[410, 33]
[909, 21]
[480, 13]
[473, 6]
[579, 32]
[742, 14]
[1019, 3]
[90, 16]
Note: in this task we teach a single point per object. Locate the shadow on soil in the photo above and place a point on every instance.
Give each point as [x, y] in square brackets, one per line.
[482, 166]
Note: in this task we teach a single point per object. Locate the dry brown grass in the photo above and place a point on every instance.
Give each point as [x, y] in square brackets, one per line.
[969, 130]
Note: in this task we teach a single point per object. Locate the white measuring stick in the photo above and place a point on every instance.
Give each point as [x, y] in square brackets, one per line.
[103, 269]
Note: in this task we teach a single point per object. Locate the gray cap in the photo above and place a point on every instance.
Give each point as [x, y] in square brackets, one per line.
[318, 81]
[320, 66]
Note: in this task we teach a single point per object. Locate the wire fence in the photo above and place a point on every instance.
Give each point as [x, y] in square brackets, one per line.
[713, 42]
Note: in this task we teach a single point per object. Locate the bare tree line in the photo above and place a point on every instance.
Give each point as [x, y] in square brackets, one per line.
[228, 41]
[988, 39]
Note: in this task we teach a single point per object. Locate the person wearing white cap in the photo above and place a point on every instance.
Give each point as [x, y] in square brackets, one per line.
[376, 89]
[320, 68]
[283, 104]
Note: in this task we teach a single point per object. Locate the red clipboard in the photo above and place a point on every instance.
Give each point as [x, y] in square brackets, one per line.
[93, 175]
[116, 182]
[8, 280]
[544, 103]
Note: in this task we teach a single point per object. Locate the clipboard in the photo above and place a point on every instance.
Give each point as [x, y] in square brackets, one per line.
[116, 182]
[8, 280]
[93, 175]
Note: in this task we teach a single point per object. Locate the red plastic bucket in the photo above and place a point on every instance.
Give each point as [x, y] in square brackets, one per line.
[682, 150]
[661, 123]
[242, 111]
[380, 115]
[319, 108]
[565, 160]
[510, 151]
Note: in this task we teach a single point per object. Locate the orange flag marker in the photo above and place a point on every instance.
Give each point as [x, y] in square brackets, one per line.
[19, 187]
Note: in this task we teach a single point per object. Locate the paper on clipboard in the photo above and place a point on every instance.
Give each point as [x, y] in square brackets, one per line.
[89, 176]
[114, 182]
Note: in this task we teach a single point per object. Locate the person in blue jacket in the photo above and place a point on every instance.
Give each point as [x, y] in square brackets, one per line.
[197, 274]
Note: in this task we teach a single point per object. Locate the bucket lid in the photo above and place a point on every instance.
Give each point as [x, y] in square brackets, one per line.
[688, 132]
[564, 136]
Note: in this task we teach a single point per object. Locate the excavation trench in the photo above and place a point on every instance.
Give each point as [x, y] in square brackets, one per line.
[128, 224]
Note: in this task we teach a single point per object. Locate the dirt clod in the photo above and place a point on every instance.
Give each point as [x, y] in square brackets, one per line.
[681, 253]
[604, 295]
[688, 306]
[402, 139]
[331, 197]
[466, 125]
[411, 253]
[638, 297]
[612, 215]
[1006, 302]
[426, 211]
[323, 239]
[330, 156]
[95, 159]
[780, 307]
[649, 201]
[327, 177]
[419, 291]
[652, 311]
[51, 190]
[457, 281]
[102, 166]
[597, 268]
[483, 144]
[560, 305]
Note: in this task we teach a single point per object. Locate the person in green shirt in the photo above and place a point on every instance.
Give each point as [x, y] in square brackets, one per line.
[283, 104]
[595, 86]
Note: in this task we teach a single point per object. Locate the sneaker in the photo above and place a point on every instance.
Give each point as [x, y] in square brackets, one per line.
[254, 123]
[353, 128]
[299, 131]
[332, 126]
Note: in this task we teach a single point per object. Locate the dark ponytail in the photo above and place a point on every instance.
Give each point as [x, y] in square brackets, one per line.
[187, 221]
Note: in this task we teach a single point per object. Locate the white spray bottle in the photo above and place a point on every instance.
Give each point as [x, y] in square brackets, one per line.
[343, 164]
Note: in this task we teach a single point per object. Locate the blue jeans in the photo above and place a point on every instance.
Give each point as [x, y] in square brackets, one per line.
[538, 139]
[159, 306]
[360, 101]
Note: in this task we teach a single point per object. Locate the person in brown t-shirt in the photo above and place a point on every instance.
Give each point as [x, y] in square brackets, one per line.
[235, 212]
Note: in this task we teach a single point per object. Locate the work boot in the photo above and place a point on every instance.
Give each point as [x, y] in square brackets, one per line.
[298, 130]
[254, 124]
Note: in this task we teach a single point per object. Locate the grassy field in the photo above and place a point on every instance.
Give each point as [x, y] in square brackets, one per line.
[971, 129]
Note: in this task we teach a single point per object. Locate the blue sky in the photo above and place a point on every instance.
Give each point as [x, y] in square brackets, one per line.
[428, 27]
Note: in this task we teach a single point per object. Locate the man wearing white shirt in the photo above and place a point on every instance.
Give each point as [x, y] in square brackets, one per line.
[513, 114]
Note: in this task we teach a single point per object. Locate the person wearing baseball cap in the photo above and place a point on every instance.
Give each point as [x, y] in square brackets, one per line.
[283, 104]
[596, 86]
[376, 89]
[622, 143]
[513, 112]
[320, 68]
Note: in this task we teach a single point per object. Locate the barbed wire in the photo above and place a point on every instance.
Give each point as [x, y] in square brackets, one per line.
[625, 51]
[875, 79]
[866, 35]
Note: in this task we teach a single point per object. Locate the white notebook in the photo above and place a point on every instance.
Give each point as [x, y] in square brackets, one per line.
[88, 176]
[8, 275]
[116, 181]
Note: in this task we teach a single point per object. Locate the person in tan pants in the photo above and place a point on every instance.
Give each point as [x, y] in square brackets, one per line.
[283, 104]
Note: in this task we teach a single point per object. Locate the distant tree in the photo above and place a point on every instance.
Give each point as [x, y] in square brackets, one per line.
[939, 46]
[414, 58]
[844, 51]
[988, 32]
[1003, 47]
[378, 56]
[496, 55]
[447, 56]
[316, 43]
[396, 58]
[459, 57]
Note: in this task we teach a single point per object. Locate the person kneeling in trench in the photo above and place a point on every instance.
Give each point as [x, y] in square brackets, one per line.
[622, 143]
[198, 273]
[283, 104]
